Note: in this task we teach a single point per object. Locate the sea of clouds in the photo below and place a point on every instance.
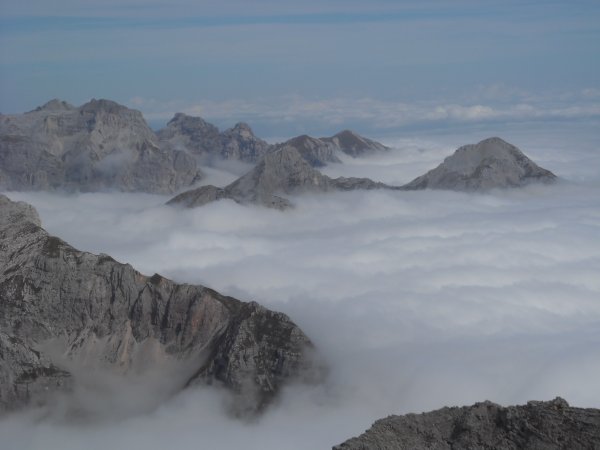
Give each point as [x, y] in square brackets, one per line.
[416, 300]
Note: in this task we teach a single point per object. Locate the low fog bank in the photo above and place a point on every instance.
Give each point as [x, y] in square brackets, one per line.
[416, 299]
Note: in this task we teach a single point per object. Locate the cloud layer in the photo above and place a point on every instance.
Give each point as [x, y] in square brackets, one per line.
[416, 299]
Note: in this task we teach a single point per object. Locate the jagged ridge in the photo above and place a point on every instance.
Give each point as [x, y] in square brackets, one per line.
[103, 313]
[549, 425]
[100, 145]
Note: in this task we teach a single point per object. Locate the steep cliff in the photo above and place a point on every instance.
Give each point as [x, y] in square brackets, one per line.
[95, 312]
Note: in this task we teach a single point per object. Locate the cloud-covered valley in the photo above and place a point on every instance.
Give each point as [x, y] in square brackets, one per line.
[416, 300]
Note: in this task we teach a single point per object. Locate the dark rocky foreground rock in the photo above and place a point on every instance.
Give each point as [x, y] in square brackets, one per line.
[548, 425]
[63, 308]
[492, 163]
[200, 138]
[99, 145]
[282, 172]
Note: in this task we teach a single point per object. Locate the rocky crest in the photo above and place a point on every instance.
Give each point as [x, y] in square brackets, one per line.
[492, 163]
[200, 138]
[549, 425]
[284, 171]
[97, 313]
[315, 152]
[353, 144]
[318, 152]
[99, 145]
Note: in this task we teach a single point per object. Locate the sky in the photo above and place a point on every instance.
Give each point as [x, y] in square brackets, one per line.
[415, 300]
[290, 67]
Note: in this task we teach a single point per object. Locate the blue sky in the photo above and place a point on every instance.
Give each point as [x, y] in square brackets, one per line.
[311, 65]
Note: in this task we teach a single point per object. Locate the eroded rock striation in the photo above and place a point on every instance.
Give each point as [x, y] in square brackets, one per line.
[492, 163]
[282, 172]
[99, 145]
[551, 425]
[200, 138]
[95, 312]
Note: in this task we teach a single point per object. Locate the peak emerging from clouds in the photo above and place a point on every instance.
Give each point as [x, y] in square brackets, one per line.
[492, 163]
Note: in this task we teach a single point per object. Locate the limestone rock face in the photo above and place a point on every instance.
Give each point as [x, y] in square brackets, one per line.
[492, 163]
[353, 144]
[98, 313]
[282, 172]
[200, 138]
[316, 152]
[549, 425]
[99, 145]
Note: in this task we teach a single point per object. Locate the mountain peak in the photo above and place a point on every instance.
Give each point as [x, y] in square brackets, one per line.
[491, 163]
[354, 144]
[55, 105]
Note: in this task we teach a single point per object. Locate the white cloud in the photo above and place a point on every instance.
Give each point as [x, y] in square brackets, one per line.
[371, 113]
[417, 300]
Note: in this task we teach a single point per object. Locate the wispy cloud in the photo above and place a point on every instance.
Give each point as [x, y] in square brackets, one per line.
[382, 114]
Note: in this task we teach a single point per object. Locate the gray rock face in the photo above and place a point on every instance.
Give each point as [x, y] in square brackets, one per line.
[536, 425]
[353, 144]
[200, 138]
[100, 145]
[492, 163]
[316, 152]
[284, 171]
[97, 313]
[319, 152]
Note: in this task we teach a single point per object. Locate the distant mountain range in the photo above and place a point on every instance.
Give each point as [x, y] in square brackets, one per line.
[102, 145]
[492, 163]
[282, 172]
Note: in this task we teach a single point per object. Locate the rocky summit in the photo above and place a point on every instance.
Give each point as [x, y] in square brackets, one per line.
[198, 137]
[492, 163]
[99, 145]
[282, 172]
[353, 144]
[62, 308]
[318, 152]
[552, 425]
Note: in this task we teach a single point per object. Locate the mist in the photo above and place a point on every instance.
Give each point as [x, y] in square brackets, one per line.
[416, 300]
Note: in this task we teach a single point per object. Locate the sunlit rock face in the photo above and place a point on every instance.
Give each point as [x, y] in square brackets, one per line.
[282, 172]
[492, 163]
[100, 145]
[536, 425]
[62, 308]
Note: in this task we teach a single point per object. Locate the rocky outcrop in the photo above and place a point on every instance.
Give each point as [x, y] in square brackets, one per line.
[200, 138]
[63, 308]
[492, 163]
[315, 152]
[319, 152]
[99, 145]
[353, 144]
[549, 425]
[282, 172]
